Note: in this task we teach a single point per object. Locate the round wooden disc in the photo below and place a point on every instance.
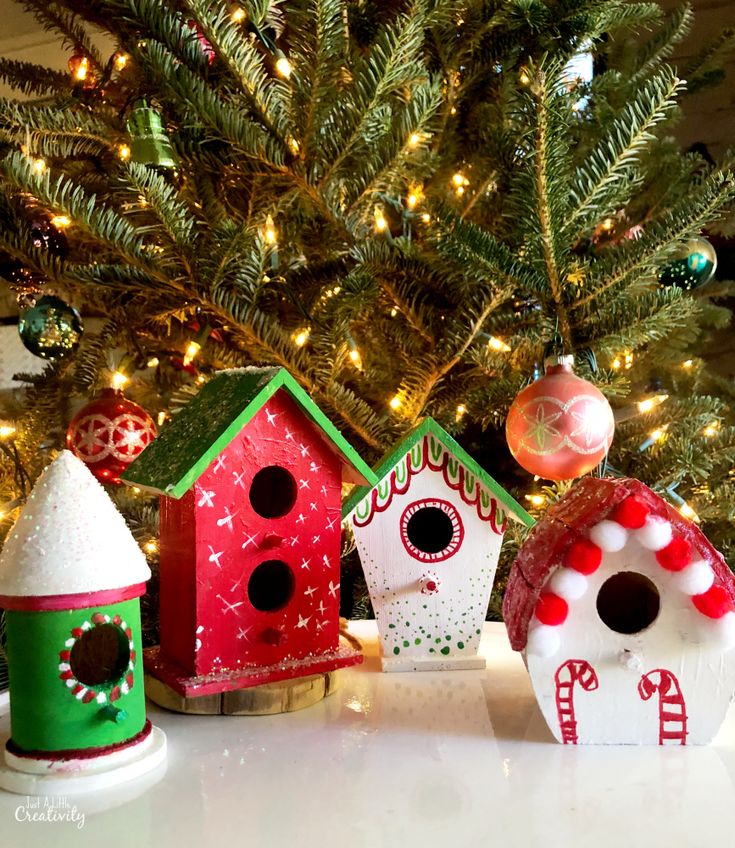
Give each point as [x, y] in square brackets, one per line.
[285, 696]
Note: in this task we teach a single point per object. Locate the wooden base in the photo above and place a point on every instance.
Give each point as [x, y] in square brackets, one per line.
[418, 664]
[284, 696]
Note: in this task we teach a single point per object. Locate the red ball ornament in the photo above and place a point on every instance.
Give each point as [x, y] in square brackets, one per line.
[561, 426]
[109, 433]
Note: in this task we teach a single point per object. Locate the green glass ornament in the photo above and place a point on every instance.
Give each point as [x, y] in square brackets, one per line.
[149, 143]
[694, 266]
[51, 328]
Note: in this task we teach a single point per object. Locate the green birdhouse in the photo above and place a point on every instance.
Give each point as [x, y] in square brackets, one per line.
[71, 577]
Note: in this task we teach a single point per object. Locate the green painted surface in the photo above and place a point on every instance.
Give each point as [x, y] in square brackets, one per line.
[412, 442]
[44, 714]
[175, 460]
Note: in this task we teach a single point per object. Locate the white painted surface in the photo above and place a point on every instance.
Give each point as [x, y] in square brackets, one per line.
[681, 640]
[433, 760]
[79, 777]
[69, 538]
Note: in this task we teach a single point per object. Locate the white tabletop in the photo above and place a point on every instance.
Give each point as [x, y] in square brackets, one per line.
[448, 759]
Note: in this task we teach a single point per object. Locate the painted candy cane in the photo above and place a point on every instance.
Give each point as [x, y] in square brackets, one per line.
[672, 715]
[569, 673]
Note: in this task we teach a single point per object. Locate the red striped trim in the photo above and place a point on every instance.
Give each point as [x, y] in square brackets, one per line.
[443, 468]
[83, 600]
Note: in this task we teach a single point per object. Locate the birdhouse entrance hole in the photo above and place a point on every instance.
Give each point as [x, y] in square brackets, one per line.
[271, 585]
[431, 530]
[628, 602]
[273, 492]
[101, 655]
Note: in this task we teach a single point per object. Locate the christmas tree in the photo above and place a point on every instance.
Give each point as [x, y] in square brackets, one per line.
[408, 205]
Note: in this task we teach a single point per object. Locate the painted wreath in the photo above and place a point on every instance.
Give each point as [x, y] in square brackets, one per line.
[87, 694]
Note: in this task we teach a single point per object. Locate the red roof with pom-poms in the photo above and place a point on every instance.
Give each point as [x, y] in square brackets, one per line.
[574, 534]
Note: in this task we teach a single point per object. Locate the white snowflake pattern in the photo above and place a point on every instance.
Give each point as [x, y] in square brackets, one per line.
[228, 607]
[206, 498]
[226, 520]
[249, 540]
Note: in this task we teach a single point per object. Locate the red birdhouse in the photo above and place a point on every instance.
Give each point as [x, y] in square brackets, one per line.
[250, 475]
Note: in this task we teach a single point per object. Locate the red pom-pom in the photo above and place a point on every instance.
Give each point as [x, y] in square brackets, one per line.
[631, 513]
[583, 556]
[676, 555]
[551, 609]
[714, 603]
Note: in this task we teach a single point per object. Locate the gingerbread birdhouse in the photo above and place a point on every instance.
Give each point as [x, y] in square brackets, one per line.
[624, 613]
[250, 475]
[71, 575]
[429, 534]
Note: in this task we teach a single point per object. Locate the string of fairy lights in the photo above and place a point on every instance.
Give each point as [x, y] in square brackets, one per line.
[459, 183]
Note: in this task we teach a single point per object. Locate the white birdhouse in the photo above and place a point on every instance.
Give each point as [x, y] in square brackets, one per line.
[429, 536]
[624, 613]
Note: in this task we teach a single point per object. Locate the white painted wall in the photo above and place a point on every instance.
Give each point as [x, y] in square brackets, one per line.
[404, 614]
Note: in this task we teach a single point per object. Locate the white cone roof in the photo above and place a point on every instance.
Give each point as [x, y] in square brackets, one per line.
[69, 538]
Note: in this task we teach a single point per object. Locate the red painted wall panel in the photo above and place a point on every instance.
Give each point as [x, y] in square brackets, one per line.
[177, 564]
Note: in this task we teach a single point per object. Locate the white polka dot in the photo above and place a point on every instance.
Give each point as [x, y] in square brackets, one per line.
[695, 579]
[655, 534]
[568, 584]
[609, 536]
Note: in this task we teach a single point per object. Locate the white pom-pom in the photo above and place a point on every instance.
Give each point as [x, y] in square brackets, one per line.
[568, 584]
[695, 579]
[655, 534]
[609, 536]
[543, 641]
[723, 630]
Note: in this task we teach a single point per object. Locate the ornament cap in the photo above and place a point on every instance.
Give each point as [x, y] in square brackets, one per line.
[559, 363]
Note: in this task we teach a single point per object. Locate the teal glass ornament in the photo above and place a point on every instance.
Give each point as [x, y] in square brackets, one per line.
[694, 266]
[51, 328]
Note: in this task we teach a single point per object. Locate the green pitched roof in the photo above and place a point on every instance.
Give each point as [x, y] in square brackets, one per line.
[175, 460]
[394, 456]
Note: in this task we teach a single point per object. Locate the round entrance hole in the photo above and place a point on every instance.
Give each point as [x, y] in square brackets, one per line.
[273, 492]
[431, 530]
[271, 585]
[628, 602]
[101, 655]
